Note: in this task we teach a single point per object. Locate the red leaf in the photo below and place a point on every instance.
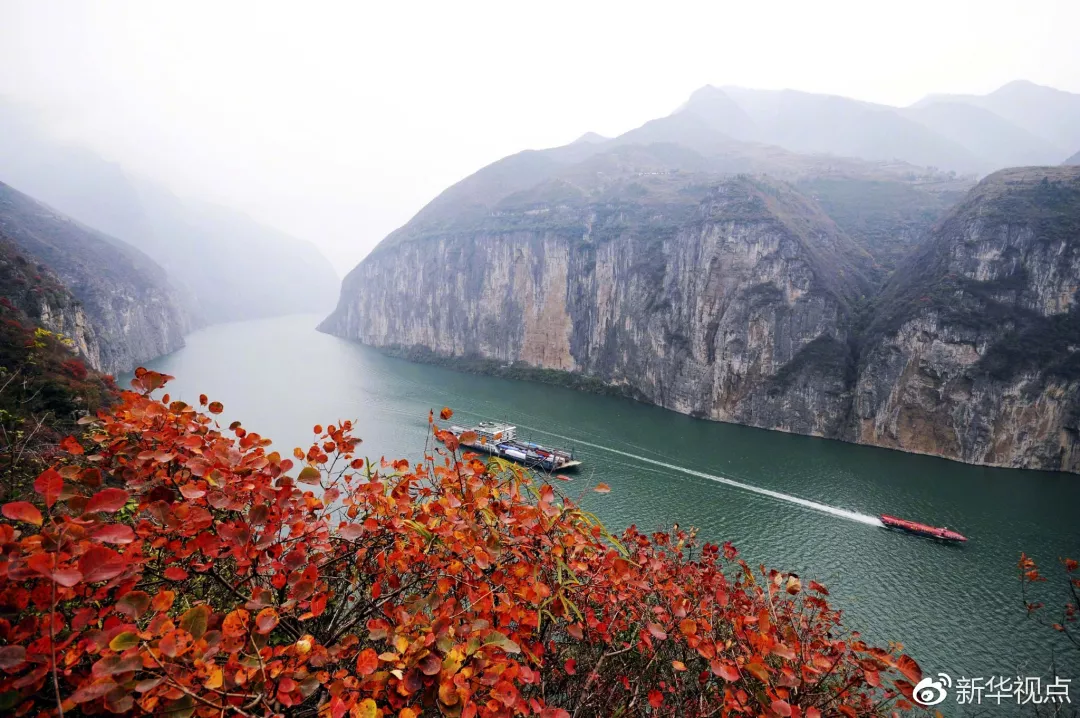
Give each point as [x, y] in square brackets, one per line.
[215, 407]
[113, 533]
[782, 708]
[11, 656]
[175, 573]
[43, 564]
[657, 630]
[192, 491]
[133, 603]
[446, 413]
[430, 665]
[101, 564]
[351, 532]
[108, 500]
[22, 511]
[570, 667]
[725, 670]
[656, 698]
[815, 586]
[318, 604]
[49, 484]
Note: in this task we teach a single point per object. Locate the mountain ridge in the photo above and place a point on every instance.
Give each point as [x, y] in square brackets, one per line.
[126, 311]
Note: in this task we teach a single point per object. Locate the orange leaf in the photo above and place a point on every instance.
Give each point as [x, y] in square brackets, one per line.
[602, 489]
[367, 662]
[446, 413]
[22, 511]
[70, 445]
[266, 620]
[688, 626]
[657, 630]
[911, 670]
[678, 665]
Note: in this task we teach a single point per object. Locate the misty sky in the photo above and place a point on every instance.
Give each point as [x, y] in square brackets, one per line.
[337, 121]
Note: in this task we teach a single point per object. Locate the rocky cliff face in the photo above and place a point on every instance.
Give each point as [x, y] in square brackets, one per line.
[975, 352]
[109, 299]
[745, 302]
[735, 307]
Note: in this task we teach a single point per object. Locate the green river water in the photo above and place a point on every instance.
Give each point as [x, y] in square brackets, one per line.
[957, 609]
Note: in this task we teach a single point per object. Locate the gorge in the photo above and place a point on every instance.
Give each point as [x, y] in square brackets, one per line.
[704, 274]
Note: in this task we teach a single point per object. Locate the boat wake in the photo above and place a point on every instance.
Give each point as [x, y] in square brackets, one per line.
[825, 508]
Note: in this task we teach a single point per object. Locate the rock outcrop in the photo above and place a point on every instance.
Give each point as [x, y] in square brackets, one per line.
[111, 301]
[974, 353]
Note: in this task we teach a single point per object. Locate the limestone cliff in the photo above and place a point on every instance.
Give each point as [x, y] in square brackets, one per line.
[109, 299]
[739, 299]
[974, 353]
[731, 302]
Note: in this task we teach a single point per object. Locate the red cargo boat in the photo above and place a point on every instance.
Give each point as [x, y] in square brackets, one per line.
[940, 533]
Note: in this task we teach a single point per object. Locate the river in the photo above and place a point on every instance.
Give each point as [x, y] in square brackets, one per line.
[956, 609]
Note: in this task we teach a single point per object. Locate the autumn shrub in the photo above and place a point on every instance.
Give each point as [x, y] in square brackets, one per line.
[169, 566]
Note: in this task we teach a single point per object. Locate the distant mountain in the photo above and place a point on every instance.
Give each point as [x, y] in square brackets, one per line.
[1050, 114]
[589, 138]
[811, 123]
[113, 302]
[226, 266]
[1019, 124]
[985, 134]
[1074, 160]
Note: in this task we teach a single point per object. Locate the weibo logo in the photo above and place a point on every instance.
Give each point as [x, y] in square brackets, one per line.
[929, 692]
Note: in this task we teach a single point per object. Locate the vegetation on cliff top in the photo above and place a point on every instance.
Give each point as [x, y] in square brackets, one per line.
[1044, 202]
[167, 564]
[44, 386]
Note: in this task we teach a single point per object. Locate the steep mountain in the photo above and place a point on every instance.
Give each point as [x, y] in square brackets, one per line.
[1074, 160]
[1046, 112]
[729, 300]
[44, 387]
[974, 351]
[653, 271]
[226, 266]
[111, 300]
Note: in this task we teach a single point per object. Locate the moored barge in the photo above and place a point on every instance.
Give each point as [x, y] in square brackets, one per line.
[501, 440]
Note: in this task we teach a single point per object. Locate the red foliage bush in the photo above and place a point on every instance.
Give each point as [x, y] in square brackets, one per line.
[173, 569]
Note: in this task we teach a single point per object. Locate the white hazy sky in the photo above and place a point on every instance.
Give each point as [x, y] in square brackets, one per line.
[337, 121]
